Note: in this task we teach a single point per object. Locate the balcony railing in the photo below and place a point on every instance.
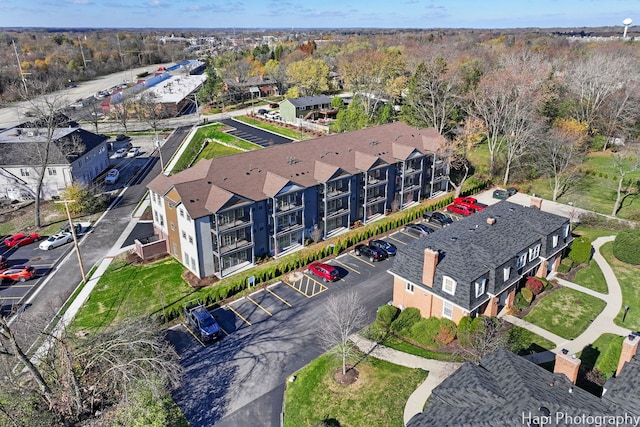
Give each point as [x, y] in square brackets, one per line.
[332, 194]
[288, 228]
[233, 224]
[288, 207]
[235, 246]
[336, 213]
[410, 187]
[375, 199]
[411, 171]
[438, 178]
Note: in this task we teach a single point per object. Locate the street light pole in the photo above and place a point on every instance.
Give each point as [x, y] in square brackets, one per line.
[159, 147]
[75, 238]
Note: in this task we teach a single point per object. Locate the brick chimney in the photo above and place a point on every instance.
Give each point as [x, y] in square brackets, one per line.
[629, 349]
[491, 220]
[429, 266]
[568, 365]
[536, 202]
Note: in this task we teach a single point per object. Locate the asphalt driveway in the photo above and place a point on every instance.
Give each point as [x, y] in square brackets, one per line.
[254, 134]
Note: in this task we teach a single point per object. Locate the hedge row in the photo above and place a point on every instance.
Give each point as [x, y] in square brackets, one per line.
[274, 269]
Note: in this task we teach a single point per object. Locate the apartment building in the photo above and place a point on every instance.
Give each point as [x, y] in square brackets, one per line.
[221, 214]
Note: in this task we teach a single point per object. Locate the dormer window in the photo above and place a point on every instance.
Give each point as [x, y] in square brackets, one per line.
[554, 241]
[506, 273]
[534, 252]
[480, 285]
[522, 260]
[448, 285]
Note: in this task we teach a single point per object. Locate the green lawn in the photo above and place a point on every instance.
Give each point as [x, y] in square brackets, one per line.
[376, 399]
[272, 127]
[212, 149]
[396, 343]
[591, 277]
[627, 276]
[134, 290]
[603, 354]
[565, 312]
[523, 342]
[593, 233]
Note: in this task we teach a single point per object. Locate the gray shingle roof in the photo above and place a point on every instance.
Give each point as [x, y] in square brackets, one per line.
[20, 147]
[305, 101]
[470, 247]
[501, 391]
[623, 390]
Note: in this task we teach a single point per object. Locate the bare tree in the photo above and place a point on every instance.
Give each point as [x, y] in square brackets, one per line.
[485, 339]
[150, 111]
[558, 155]
[343, 317]
[121, 109]
[625, 162]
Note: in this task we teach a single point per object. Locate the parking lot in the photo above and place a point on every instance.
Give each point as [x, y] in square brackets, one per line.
[254, 134]
[13, 294]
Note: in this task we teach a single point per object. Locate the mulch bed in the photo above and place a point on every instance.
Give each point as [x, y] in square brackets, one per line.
[350, 377]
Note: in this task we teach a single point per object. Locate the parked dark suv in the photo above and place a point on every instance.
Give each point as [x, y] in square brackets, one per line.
[437, 218]
[201, 322]
[374, 254]
[389, 248]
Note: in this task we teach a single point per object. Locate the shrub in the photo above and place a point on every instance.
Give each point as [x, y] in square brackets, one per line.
[534, 285]
[520, 302]
[468, 328]
[607, 363]
[405, 320]
[433, 332]
[527, 295]
[626, 247]
[580, 250]
[387, 314]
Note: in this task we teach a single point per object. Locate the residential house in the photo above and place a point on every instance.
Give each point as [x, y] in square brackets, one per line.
[505, 390]
[474, 266]
[251, 87]
[74, 155]
[306, 107]
[223, 213]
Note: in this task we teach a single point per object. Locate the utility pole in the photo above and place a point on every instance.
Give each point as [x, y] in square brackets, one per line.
[75, 238]
[84, 60]
[24, 81]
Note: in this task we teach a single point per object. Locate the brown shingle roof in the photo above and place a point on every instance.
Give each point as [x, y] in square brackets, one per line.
[249, 174]
[323, 172]
[364, 161]
[217, 198]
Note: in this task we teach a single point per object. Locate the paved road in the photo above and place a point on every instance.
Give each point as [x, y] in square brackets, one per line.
[65, 277]
[254, 134]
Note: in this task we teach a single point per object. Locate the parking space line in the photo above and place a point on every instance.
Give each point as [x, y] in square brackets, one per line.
[194, 335]
[346, 266]
[238, 314]
[222, 329]
[399, 241]
[2, 298]
[361, 259]
[315, 283]
[410, 235]
[277, 296]
[296, 289]
[258, 305]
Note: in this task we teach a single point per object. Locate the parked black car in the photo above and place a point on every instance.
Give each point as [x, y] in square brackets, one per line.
[389, 248]
[437, 218]
[374, 254]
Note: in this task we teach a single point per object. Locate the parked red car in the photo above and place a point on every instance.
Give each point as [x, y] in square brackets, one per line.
[21, 239]
[461, 210]
[469, 202]
[18, 273]
[326, 272]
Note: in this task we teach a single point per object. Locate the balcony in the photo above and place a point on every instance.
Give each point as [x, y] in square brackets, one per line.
[336, 213]
[288, 228]
[439, 178]
[410, 187]
[288, 207]
[375, 199]
[239, 222]
[334, 193]
[408, 171]
[235, 246]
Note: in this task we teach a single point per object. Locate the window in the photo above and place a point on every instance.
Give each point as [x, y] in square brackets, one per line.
[155, 216]
[188, 217]
[507, 273]
[448, 285]
[24, 172]
[182, 212]
[186, 259]
[173, 226]
[409, 287]
[534, 252]
[555, 241]
[447, 310]
[193, 263]
[52, 171]
[161, 220]
[565, 231]
[184, 235]
[480, 284]
[191, 239]
[522, 260]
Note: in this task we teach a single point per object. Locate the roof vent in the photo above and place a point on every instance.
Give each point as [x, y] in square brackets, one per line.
[292, 160]
[209, 182]
[454, 239]
[491, 221]
[373, 142]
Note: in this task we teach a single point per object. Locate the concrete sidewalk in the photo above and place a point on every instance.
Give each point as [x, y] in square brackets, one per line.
[438, 371]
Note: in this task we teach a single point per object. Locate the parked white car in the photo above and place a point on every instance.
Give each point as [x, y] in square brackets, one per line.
[133, 151]
[56, 240]
[119, 154]
[112, 176]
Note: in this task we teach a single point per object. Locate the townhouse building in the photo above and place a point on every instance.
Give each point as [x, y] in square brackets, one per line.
[474, 266]
[222, 214]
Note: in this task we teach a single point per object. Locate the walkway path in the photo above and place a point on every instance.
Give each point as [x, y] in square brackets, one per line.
[438, 371]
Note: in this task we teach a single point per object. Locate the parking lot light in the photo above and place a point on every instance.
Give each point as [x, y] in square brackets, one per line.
[75, 238]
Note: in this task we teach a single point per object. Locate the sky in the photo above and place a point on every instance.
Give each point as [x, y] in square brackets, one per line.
[289, 14]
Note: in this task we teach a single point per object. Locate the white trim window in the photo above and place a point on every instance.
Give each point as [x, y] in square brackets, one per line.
[409, 287]
[565, 231]
[522, 260]
[554, 241]
[447, 309]
[506, 273]
[480, 286]
[534, 252]
[448, 285]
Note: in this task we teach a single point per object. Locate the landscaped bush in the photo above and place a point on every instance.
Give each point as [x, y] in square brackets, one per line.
[580, 250]
[433, 332]
[608, 362]
[468, 328]
[534, 285]
[405, 320]
[520, 302]
[387, 314]
[527, 295]
[626, 247]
